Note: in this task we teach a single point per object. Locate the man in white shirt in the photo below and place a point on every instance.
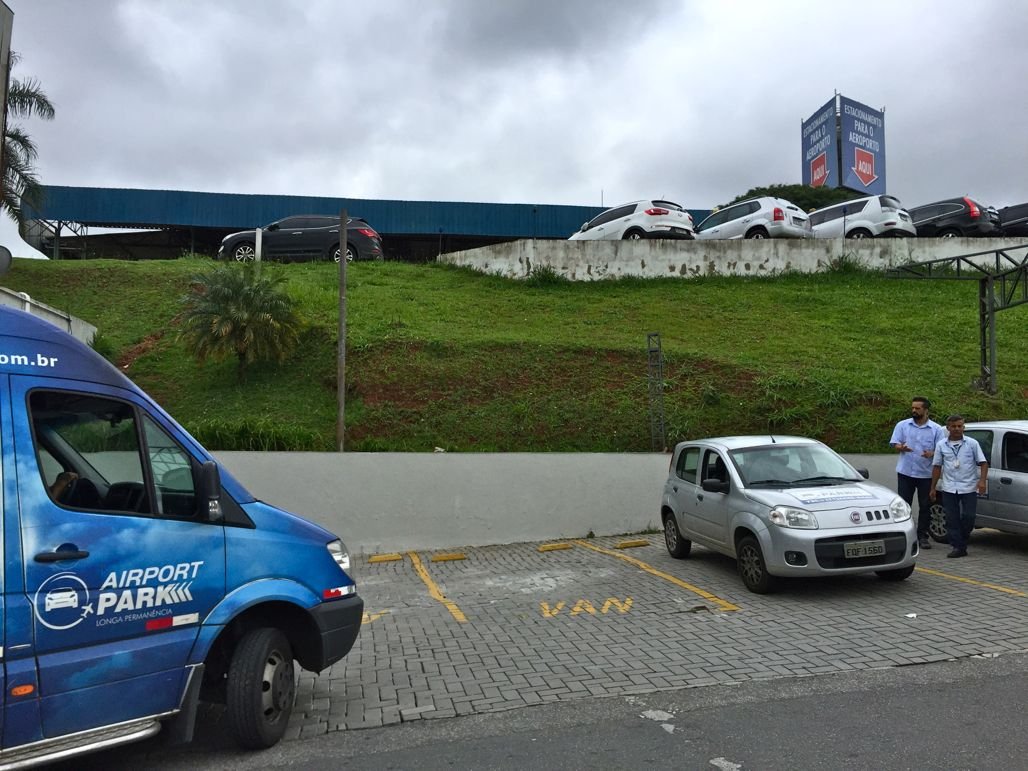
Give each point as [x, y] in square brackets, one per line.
[960, 472]
[915, 439]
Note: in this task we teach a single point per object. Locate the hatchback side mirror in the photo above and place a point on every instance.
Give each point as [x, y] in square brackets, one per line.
[714, 486]
[209, 499]
[272, 226]
[864, 473]
[585, 227]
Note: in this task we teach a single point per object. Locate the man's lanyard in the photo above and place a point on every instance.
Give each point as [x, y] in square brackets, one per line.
[955, 449]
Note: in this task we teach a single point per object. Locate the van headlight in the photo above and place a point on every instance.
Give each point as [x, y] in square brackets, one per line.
[784, 516]
[899, 510]
[340, 554]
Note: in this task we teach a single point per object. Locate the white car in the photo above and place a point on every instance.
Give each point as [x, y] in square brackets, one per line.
[756, 218]
[639, 219]
[876, 215]
[784, 506]
[61, 598]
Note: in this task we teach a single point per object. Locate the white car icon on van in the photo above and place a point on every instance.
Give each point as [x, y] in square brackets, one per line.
[61, 598]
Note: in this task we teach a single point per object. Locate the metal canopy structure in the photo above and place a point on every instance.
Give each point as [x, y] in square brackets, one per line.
[1002, 283]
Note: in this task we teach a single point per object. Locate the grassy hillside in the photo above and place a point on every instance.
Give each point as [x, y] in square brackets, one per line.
[443, 357]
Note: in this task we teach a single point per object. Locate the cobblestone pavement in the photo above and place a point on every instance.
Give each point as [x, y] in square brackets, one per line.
[511, 626]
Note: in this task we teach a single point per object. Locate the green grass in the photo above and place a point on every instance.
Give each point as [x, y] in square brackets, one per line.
[439, 356]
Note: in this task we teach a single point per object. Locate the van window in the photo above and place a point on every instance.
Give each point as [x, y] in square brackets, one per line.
[96, 443]
[887, 202]
[172, 472]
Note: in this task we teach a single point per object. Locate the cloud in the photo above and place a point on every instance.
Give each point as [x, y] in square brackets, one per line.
[528, 101]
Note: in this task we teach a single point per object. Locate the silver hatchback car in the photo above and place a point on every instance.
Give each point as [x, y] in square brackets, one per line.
[784, 506]
[1005, 505]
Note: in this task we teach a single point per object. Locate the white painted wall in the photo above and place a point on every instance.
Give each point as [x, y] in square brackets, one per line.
[386, 502]
[592, 260]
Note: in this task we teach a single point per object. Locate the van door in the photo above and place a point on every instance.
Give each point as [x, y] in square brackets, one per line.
[19, 682]
[120, 565]
[8, 502]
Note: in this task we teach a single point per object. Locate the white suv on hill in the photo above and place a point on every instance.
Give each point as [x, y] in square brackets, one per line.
[639, 219]
[756, 218]
[877, 215]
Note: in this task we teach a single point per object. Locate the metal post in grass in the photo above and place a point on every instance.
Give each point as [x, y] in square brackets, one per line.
[341, 345]
[655, 361]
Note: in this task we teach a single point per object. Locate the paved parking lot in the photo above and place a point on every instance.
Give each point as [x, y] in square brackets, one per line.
[524, 624]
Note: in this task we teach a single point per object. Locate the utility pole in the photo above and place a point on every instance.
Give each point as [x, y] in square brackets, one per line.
[341, 346]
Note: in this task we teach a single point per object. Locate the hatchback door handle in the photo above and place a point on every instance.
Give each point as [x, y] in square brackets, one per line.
[61, 555]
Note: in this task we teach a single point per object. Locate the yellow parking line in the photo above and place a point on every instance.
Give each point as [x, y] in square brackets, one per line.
[723, 604]
[631, 544]
[456, 557]
[433, 589]
[983, 584]
[384, 558]
[554, 547]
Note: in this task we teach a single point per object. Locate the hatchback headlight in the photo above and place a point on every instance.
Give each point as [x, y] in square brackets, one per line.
[339, 553]
[899, 510]
[784, 516]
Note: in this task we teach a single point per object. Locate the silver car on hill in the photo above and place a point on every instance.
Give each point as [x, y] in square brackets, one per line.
[784, 506]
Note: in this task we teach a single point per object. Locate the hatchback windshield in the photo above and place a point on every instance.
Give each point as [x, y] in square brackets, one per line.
[779, 465]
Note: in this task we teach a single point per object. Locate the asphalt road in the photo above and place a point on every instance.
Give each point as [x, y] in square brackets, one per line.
[964, 714]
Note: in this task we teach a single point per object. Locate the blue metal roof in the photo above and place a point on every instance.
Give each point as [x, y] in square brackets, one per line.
[133, 208]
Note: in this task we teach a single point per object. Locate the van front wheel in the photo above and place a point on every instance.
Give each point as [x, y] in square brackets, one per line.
[261, 688]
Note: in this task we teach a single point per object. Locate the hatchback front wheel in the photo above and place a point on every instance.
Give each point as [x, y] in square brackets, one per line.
[752, 568]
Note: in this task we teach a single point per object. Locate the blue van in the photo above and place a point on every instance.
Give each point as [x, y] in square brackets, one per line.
[138, 576]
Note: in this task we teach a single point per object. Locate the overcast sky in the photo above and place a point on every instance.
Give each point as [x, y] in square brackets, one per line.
[527, 101]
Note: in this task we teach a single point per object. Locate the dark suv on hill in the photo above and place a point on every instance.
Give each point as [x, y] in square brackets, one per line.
[305, 237]
[954, 217]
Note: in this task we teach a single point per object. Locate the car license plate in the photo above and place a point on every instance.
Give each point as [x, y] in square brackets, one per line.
[864, 549]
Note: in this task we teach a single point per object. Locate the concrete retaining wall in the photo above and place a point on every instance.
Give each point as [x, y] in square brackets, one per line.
[592, 260]
[76, 327]
[385, 502]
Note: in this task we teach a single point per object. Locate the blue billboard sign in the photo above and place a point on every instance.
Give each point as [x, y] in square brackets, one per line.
[862, 142]
[819, 150]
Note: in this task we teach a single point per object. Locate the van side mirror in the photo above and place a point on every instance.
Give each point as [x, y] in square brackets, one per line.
[864, 473]
[209, 499]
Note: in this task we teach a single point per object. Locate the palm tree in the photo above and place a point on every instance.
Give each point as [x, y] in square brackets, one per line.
[234, 310]
[25, 98]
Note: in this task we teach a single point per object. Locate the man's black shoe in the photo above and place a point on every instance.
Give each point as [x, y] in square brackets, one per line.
[924, 543]
[958, 553]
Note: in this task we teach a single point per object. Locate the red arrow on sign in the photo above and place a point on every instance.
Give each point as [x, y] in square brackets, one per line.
[864, 166]
[819, 170]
